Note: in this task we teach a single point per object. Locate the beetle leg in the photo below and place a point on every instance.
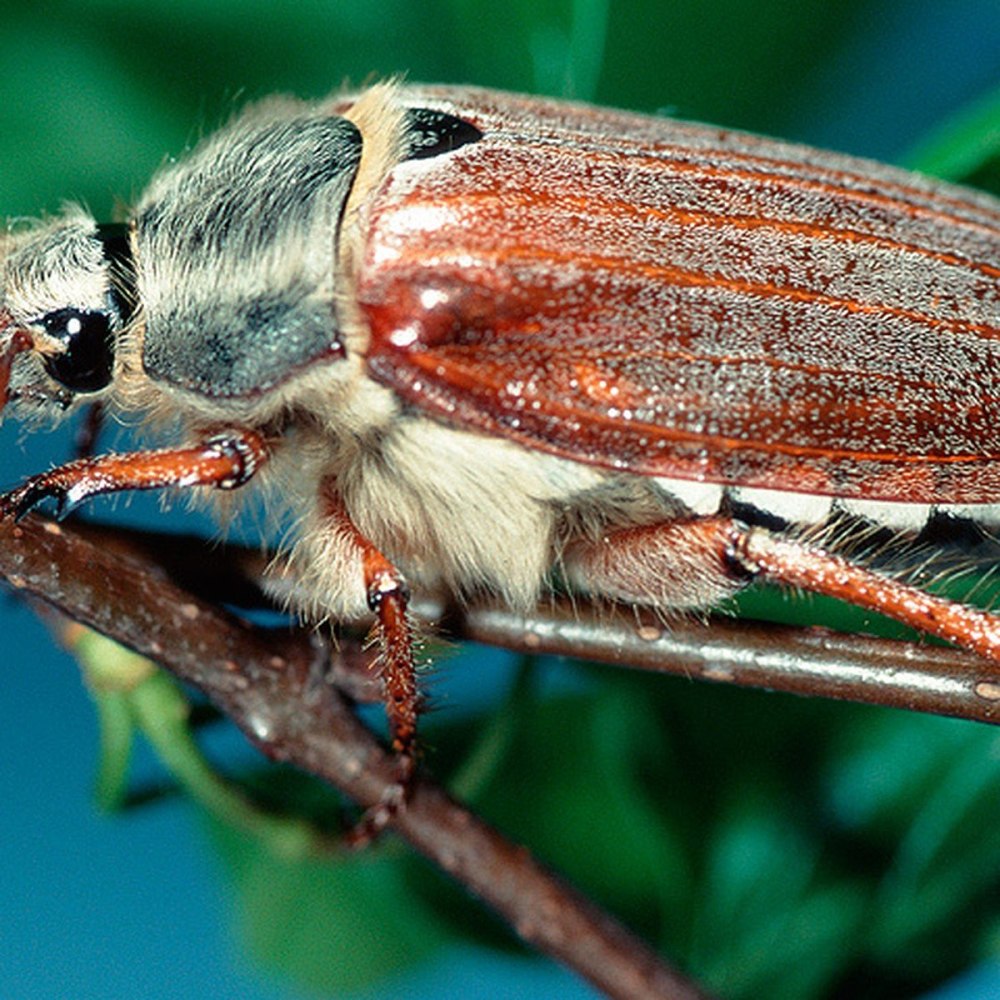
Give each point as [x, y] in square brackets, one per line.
[669, 564]
[88, 430]
[796, 564]
[693, 564]
[225, 461]
[388, 597]
[19, 342]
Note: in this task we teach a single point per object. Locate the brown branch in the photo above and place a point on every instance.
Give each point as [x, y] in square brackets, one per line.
[266, 682]
[817, 662]
[157, 594]
[807, 661]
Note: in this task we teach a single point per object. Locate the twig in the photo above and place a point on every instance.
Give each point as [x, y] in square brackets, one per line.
[158, 595]
[817, 662]
[266, 682]
[808, 661]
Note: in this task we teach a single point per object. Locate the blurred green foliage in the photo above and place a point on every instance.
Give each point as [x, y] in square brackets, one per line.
[95, 93]
[774, 847]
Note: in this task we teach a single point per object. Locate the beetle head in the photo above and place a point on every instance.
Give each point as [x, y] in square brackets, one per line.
[59, 313]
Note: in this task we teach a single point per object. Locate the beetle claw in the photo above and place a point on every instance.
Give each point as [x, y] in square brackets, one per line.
[17, 504]
[64, 506]
[374, 820]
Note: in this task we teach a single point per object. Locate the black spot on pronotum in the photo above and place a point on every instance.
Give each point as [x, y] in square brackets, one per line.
[435, 132]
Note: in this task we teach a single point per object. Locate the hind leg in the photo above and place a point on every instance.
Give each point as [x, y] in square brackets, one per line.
[696, 563]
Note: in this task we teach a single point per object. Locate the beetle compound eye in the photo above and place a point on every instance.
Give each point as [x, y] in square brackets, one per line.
[87, 362]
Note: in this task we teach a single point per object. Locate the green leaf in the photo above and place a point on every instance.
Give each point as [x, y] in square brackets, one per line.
[583, 780]
[117, 730]
[965, 148]
[925, 789]
[332, 925]
[770, 921]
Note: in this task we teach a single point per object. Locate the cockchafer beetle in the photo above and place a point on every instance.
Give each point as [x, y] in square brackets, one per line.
[492, 343]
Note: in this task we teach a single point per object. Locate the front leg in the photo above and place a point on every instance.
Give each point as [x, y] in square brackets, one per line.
[387, 595]
[224, 460]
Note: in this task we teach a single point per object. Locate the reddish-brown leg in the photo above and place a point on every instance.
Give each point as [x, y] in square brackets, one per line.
[17, 342]
[225, 461]
[88, 431]
[388, 597]
[693, 563]
[671, 564]
[798, 565]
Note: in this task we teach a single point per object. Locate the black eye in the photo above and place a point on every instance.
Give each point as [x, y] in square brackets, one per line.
[87, 362]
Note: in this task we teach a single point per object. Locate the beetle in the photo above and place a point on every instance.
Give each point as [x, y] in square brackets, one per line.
[493, 343]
